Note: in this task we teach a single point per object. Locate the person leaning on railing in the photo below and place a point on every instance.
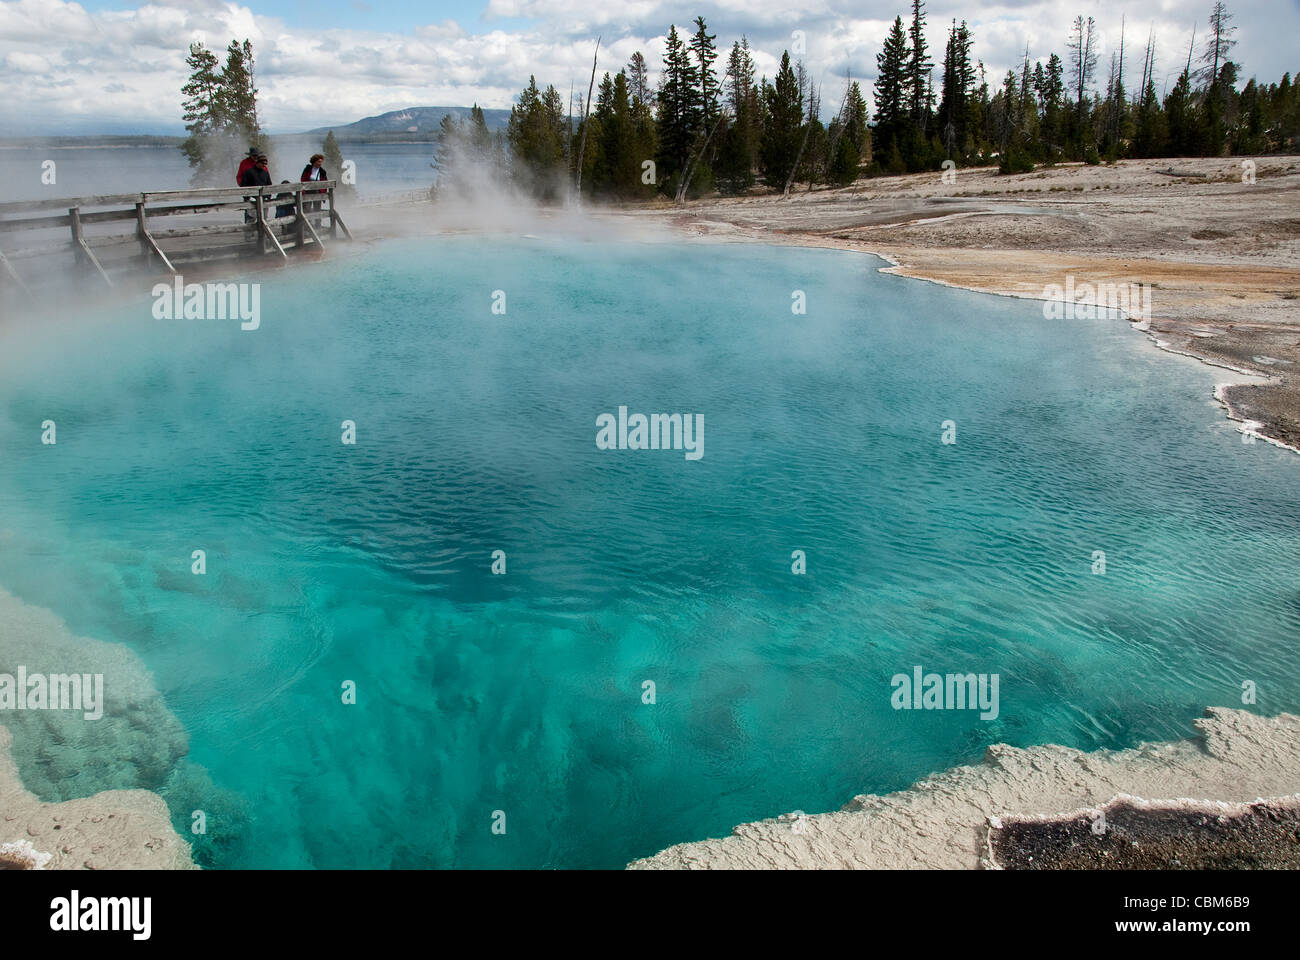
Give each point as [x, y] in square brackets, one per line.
[314, 171]
[258, 175]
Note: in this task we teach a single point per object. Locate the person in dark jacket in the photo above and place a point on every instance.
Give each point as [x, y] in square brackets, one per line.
[284, 209]
[246, 164]
[258, 175]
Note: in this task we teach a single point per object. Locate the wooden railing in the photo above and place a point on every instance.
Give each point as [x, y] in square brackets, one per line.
[75, 213]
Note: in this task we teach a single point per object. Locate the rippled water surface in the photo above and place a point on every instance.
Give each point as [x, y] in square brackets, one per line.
[523, 693]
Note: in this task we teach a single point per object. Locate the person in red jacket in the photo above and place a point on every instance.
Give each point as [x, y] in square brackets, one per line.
[314, 171]
[245, 165]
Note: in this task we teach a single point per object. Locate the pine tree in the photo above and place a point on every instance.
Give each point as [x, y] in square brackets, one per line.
[480, 139]
[918, 91]
[1179, 115]
[958, 78]
[847, 138]
[1218, 77]
[201, 110]
[855, 118]
[237, 97]
[679, 109]
[705, 55]
[1051, 94]
[738, 143]
[536, 134]
[891, 107]
[1217, 46]
[919, 65]
[638, 75]
[448, 157]
[602, 146]
[334, 161]
[783, 126]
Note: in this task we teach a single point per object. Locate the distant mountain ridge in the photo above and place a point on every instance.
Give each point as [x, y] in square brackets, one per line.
[412, 123]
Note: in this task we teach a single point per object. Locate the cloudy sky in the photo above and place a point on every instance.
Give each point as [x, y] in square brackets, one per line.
[116, 66]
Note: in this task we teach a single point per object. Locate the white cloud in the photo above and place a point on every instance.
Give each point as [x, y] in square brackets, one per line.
[65, 69]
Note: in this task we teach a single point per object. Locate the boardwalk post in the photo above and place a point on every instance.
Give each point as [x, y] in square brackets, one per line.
[300, 220]
[147, 241]
[336, 222]
[264, 227]
[78, 241]
[79, 245]
[142, 231]
[261, 222]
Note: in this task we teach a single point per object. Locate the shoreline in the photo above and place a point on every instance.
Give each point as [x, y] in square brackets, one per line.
[1227, 290]
[942, 821]
[911, 272]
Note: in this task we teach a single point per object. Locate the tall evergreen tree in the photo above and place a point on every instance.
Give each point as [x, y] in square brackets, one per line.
[237, 97]
[919, 65]
[334, 161]
[738, 145]
[705, 55]
[958, 79]
[783, 126]
[1180, 118]
[536, 134]
[847, 138]
[891, 105]
[1051, 94]
[201, 109]
[638, 76]
[1218, 45]
[679, 109]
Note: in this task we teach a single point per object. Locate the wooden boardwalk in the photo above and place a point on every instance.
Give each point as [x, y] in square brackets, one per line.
[114, 235]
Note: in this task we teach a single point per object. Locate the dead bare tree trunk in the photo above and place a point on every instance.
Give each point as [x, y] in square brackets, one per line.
[586, 113]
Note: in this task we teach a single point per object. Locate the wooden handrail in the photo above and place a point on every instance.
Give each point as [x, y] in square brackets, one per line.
[139, 207]
[163, 196]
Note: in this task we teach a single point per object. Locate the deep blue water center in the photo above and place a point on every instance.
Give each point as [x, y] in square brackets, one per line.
[522, 692]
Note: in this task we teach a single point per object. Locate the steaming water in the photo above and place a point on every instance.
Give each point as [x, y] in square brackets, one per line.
[522, 692]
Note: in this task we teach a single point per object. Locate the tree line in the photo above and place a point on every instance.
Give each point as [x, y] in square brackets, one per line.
[710, 125]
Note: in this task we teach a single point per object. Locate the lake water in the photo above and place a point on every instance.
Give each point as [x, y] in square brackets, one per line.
[523, 693]
[381, 168]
